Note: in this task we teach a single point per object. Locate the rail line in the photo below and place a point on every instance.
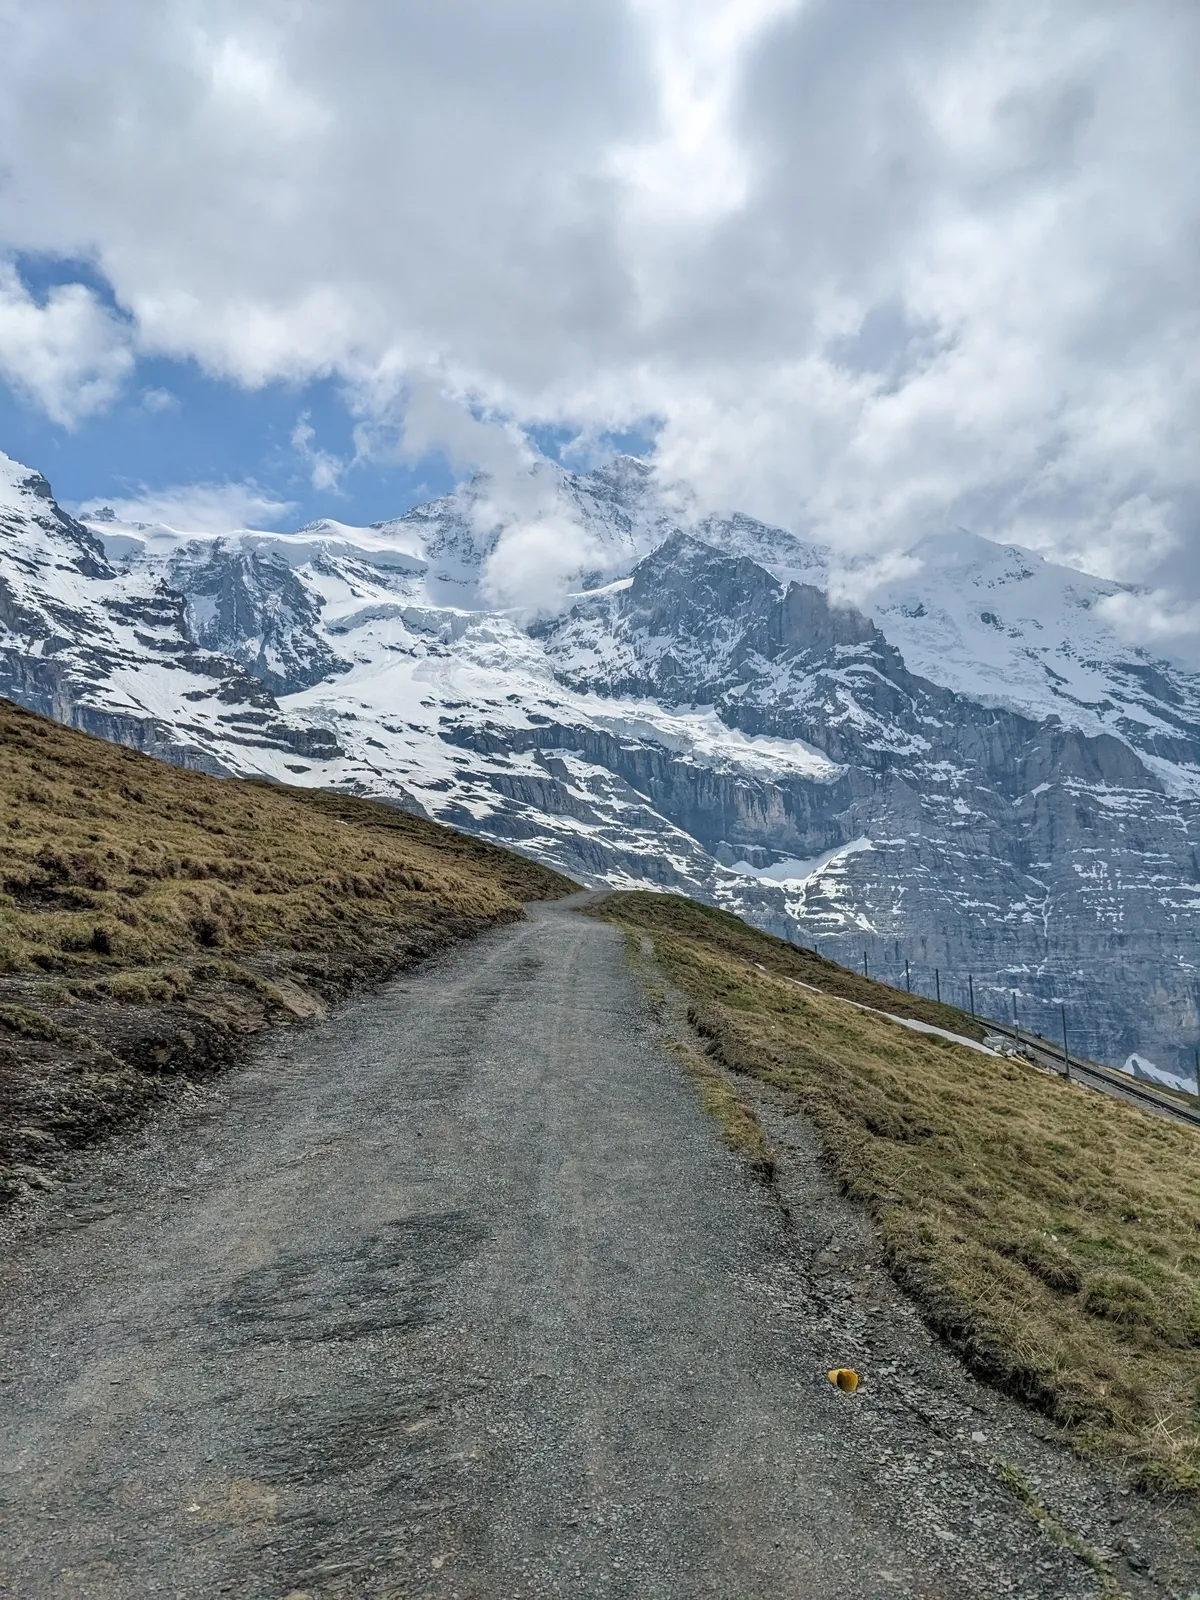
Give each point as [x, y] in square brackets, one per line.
[1095, 1075]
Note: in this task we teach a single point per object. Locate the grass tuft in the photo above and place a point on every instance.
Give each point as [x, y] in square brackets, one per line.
[1020, 1487]
[740, 1128]
[27, 1023]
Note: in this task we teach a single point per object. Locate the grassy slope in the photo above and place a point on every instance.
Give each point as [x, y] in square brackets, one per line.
[150, 918]
[1051, 1234]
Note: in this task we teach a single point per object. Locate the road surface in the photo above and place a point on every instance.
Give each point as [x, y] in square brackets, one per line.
[457, 1293]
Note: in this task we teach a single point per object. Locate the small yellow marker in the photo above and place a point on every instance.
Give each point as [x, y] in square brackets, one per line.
[845, 1379]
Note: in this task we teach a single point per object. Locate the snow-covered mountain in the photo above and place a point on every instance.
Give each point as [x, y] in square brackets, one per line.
[1002, 626]
[970, 771]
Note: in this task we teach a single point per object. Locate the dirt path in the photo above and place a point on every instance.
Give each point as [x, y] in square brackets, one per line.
[458, 1294]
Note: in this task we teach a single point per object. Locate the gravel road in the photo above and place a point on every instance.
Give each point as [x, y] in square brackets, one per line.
[457, 1293]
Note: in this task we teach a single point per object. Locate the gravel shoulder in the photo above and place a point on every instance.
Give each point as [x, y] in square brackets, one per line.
[457, 1292]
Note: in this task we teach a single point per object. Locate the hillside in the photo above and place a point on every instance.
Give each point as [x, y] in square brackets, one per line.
[152, 920]
[1049, 1234]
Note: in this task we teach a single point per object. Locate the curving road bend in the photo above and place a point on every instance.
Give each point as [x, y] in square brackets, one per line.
[455, 1293]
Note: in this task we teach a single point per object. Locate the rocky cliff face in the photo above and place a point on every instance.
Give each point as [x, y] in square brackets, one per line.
[970, 772]
[249, 606]
[1031, 855]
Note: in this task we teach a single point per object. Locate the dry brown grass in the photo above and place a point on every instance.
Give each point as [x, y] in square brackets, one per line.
[150, 918]
[109, 860]
[1052, 1235]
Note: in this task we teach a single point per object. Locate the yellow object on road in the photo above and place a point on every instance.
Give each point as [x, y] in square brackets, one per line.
[845, 1378]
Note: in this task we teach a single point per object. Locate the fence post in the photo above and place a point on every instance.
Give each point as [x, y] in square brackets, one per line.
[1016, 1024]
[971, 990]
[866, 974]
[1066, 1054]
[937, 984]
[907, 979]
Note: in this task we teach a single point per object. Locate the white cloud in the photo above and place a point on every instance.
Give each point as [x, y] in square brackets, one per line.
[871, 269]
[70, 355]
[1154, 619]
[692, 166]
[537, 561]
[324, 468]
[542, 548]
[200, 507]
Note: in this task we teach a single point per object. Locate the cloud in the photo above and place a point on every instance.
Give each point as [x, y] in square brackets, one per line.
[872, 269]
[536, 561]
[1154, 619]
[158, 400]
[325, 469]
[69, 355]
[692, 166]
[535, 547]
[976, 310]
[200, 507]
[855, 583]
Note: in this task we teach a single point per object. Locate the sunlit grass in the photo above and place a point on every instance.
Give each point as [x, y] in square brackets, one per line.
[111, 862]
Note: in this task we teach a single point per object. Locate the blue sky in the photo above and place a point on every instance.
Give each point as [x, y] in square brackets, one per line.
[213, 432]
[174, 425]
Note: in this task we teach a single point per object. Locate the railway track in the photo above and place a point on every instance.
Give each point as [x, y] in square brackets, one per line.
[1096, 1076]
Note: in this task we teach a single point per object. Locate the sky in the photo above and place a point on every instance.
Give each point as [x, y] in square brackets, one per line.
[865, 270]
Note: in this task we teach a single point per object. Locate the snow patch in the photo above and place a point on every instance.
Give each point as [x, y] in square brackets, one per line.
[1140, 1067]
[794, 874]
